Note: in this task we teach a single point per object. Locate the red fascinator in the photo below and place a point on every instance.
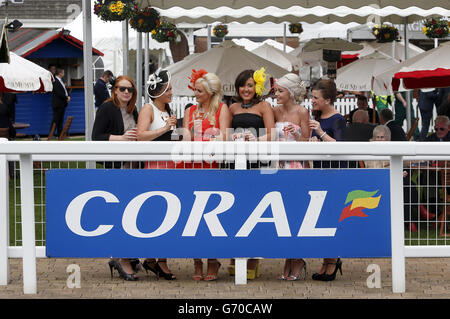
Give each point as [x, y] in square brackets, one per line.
[195, 76]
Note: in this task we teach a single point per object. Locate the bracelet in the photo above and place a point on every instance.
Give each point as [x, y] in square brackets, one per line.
[322, 134]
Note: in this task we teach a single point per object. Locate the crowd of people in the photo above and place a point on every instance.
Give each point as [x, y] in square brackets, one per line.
[251, 118]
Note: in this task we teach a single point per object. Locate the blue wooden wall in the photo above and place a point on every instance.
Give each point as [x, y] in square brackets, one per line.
[36, 109]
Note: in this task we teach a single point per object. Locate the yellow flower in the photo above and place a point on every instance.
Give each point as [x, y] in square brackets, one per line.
[260, 78]
[424, 30]
[113, 7]
[119, 4]
[153, 31]
[375, 32]
[387, 35]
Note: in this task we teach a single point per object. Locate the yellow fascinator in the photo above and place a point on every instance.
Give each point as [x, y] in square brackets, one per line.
[260, 78]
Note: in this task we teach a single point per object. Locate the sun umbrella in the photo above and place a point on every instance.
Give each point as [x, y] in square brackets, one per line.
[283, 59]
[357, 76]
[331, 44]
[429, 69]
[386, 48]
[226, 60]
[21, 75]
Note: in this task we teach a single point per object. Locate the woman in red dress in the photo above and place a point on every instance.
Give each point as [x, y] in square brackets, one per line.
[206, 121]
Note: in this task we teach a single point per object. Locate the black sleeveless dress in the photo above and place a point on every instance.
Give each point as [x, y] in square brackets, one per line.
[255, 124]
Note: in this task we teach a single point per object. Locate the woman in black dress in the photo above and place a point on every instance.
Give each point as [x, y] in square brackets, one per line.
[116, 120]
[252, 120]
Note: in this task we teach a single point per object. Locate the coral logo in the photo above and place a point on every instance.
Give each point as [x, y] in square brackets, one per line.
[359, 200]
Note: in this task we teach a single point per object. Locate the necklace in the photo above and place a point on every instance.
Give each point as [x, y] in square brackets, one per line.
[246, 106]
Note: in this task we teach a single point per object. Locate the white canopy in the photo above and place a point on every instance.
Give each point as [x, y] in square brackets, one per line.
[283, 59]
[22, 75]
[226, 60]
[357, 76]
[217, 11]
[237, 4]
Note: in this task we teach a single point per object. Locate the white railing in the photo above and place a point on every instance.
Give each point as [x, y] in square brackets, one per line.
[237, 152]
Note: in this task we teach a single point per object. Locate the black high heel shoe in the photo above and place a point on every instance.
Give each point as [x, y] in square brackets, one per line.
[162, 273]
[116, 265]
[150, 266]
[331, 277]
[319, 276]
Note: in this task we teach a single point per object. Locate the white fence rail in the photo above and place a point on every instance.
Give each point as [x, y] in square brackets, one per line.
[237, 152]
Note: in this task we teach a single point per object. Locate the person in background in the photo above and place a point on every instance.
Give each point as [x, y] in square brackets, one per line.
[291, 123]
[52, 69]
[60, 100]
[101, 93]
[444, 107]
[363, 104]
[400, 106]
[360, 130]
[397, 132]
[206, 121]
[328, 126]
[5, 118]
[10, 100]
[443, 96]
[427, 100]
[441, 130]
[382, 133]
[156, 123]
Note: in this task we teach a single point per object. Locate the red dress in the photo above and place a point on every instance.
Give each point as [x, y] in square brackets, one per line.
[207, 128]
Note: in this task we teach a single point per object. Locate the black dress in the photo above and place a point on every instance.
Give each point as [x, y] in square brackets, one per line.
[254, 123]
[109, 121]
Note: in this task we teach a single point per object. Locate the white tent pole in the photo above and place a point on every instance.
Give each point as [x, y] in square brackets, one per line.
[139, 70]
[125, 47]
[87, 69]
[436, 42]
[393, 50]
[146, 67]
[408, 93]
[208, 40]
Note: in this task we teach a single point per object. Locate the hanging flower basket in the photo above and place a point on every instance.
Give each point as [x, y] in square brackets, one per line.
[145, 20]
[220, 30]
[385, 33]
[436, 28]
[165, 32]
[295, 28]
[115, 10]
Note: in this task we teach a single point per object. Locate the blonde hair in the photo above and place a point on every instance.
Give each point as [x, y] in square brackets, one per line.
[213, 87]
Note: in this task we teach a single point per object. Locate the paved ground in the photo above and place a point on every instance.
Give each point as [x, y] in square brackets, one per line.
[426, 278]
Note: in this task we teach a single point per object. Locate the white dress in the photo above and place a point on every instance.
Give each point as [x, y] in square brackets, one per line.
[285, 136]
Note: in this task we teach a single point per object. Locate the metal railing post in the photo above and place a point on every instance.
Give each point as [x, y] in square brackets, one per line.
[4, 221]
[397, 225]
[28, 230]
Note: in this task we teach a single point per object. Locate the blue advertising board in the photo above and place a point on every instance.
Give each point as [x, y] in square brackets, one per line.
[218, 213]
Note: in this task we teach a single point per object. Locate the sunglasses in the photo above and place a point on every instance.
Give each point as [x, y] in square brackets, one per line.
[123, 88]
[440, 128]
